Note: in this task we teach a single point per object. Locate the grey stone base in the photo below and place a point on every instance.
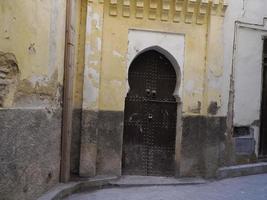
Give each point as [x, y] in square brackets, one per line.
[76, 141]
[241, 170]
[88, 144]
[109, 143]
[203, 146]
[29, 152]
[101, 143]
[62, 191]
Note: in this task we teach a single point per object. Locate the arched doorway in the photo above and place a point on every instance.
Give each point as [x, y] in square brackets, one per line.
[150, 117]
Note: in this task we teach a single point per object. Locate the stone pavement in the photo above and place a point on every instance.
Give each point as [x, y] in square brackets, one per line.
[243, 188]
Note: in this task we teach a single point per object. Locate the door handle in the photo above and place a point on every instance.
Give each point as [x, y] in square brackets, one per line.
[148, 92]
[154, 92]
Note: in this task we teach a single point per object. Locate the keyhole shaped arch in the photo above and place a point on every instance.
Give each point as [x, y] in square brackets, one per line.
[140, 107]
[172, 60]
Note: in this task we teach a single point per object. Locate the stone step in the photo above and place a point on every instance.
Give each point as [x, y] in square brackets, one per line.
[143, 181]
[241, 170]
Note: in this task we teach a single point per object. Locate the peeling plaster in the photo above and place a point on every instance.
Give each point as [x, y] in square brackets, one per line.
[93, 76]
[93, 51]
[89, 19]
[97, 20]
[117, 54]
[91, 83]
[93, 63]
[99, 43]
[39, 92]
[38, 79]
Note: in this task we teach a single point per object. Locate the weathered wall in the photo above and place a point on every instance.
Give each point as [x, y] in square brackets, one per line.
[243, 31]
[110, 46]
[31, 77]
[203, 146]
[113, 86]
[29, 152]
[110, 41]
[93, 59]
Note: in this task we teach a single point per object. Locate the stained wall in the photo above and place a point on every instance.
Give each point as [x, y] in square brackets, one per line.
[244, 28]
[110, 46]
[32, 38]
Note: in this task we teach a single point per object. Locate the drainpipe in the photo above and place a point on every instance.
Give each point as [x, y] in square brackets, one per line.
[67, 93]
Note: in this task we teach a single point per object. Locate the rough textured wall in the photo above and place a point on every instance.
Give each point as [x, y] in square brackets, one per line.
[31, 78]
[9, 75]
[29, 152]
[203, 146]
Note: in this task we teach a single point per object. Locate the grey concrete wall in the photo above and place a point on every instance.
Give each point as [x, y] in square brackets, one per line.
[101, 144]
[109, 143]
[76, 141]
[203, 145]
[88, 151]
[29, 152]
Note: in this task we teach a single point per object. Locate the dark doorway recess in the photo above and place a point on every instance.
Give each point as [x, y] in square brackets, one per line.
[150, 117]
[263, 132]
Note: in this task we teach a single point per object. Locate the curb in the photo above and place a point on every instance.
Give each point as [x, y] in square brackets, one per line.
[62, 191]
[176, 183]
[241, 170]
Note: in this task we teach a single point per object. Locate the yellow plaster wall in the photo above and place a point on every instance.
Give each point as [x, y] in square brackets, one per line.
[93, 54]
[215, 64]
[203, 51]
[113, 72]
[34, 32]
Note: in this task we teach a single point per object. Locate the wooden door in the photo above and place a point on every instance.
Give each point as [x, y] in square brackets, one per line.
[150, 117]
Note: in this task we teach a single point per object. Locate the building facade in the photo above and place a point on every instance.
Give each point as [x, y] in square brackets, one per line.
[160, 87]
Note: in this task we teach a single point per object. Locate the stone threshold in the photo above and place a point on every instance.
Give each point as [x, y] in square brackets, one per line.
[146, 181]
[62, 191]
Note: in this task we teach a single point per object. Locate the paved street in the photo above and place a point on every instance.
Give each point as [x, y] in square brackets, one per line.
[244, 188]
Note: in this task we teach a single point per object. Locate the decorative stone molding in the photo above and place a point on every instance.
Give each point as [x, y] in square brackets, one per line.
[187, 11]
